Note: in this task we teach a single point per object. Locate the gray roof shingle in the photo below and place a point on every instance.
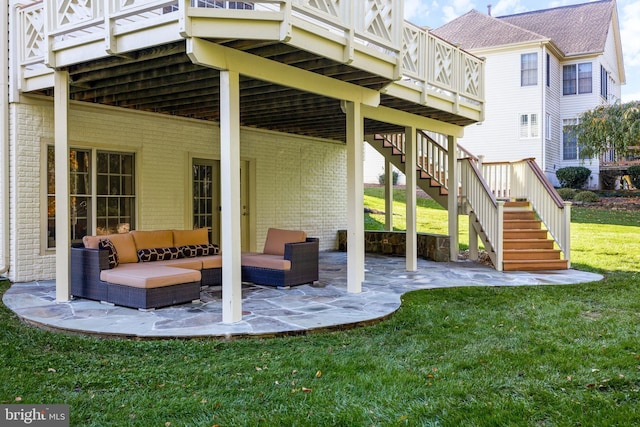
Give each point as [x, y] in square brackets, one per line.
[577, 29]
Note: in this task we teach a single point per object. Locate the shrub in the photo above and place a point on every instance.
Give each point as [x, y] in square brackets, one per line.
[567, 193]
[608, 180]
[634, 174]
[394, 174]
[573, 176]
[587, 197]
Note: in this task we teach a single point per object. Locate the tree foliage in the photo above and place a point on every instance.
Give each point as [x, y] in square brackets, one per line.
[608, 127]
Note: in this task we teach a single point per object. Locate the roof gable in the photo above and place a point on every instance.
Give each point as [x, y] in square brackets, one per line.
[475, 30]
[575, 30]
[565, 27]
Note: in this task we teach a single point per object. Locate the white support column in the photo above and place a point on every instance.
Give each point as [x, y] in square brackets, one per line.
[355, 198]
[452, 198]
[410, 175]
[388, 196]
[62, 186]
[473, 238]
[230, 196]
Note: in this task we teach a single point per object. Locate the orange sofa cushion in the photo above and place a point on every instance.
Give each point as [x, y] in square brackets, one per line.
[152, 239]
[123, 242]
[146, 276]
[199, 236]
[276, 239]
[275, 262]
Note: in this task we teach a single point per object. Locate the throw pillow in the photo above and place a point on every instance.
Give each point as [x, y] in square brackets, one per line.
[107, 244]
[158, 254]
[190, 251]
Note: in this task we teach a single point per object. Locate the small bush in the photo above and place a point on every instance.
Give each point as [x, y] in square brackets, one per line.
[394, 174]
[634, 174]
[608, 180]
[567, 193]
[573, 176]
[587, 197]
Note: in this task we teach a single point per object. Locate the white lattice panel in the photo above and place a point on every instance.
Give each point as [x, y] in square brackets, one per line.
[411, 47]
[74, 11]
[379, 18]
[33, 25]
[125, 4]
[443, 57]
[472, 76]
[330, 7]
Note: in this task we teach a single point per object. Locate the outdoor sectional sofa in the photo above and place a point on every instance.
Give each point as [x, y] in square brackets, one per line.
[289, 258]
[145, 269]
[152, 269]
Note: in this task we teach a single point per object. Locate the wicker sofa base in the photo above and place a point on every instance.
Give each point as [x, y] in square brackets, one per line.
[142, 298]
[86, 265]
[278, 278]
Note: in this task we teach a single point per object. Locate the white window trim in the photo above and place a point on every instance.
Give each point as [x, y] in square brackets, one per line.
[44, 194]
[530, 128]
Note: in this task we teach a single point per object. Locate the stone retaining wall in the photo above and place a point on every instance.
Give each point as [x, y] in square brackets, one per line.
[434, 247]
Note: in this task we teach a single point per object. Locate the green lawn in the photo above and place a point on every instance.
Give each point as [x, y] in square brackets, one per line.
[538, 356]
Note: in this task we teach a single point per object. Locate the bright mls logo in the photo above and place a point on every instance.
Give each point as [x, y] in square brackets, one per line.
[34, 415]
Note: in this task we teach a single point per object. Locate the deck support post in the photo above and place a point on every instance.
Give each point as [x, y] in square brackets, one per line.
[355, 197]
[410, 149]
[230, 196]
[388, 195]
[62, 185]
[452, 197]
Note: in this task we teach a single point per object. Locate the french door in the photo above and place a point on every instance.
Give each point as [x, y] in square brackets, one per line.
[206, 199]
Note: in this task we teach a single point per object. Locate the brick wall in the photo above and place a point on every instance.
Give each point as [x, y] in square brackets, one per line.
[300, 182]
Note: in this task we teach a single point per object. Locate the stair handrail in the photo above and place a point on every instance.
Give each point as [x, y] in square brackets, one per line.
[488, 211]
[552, 210]
[433, 158]
[524, 179]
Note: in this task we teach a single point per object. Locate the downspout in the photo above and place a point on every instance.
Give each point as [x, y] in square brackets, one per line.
[4, 136]
[543, 119]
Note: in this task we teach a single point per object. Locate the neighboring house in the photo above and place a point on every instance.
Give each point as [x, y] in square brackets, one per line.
[236, 116]
[543, 69]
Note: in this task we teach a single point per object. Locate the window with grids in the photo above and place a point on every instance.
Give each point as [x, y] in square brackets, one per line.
[569, 140]
[606, 81]
[528, 126]
[529, 69]
[110, 208]
[577, 78]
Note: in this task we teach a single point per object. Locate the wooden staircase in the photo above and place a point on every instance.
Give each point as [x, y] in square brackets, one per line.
[526, 245]
[431, 179]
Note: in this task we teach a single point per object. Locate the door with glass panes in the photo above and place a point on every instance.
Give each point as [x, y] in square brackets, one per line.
[206, 199]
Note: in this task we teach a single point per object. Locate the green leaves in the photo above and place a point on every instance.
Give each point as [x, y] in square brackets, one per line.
[608, 127]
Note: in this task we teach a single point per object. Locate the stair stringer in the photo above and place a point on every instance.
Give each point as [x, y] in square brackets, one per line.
[477, 227]
[397, 160]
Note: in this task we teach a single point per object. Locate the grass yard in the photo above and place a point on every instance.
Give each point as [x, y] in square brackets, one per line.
[537, 356]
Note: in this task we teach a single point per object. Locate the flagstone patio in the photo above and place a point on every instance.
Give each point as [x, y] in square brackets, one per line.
[271, 311]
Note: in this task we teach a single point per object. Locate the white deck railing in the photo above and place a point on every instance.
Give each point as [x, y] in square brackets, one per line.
[525, 180]
[425, 64]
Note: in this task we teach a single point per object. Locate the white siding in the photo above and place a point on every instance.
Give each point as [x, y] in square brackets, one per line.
[610, 61]
[553, 148]
[374, 166]
[571, 106]
[498, 137]
[300, 182]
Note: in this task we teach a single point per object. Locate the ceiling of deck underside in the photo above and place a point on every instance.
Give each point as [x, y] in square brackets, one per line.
[164, 80]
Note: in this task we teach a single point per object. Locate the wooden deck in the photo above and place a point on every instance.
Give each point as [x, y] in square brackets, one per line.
[140, 54]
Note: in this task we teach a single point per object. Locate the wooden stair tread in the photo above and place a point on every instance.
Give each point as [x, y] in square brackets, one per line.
[527, 265]
[531, 254]
[522, 224]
